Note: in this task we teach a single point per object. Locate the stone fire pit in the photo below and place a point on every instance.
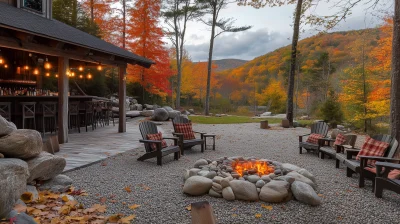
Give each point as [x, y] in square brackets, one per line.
[251, 179]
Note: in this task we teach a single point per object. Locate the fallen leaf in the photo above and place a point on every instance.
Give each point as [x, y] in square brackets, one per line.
[124, 203]
[321, 195]
[258, 215]
[27, 197]
[113, 201]
[127, 219]
[234, 215]
[114, 218]
[128, 189]
[64, 210]
[99, 208]
[40, 206]
[103, 200]
[268, 207]
[103, 164]
[65, 198]
[189, 208]
[20, 208]
[133, 207]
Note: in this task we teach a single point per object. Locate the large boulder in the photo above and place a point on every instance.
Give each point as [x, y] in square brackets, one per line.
[244, 190]
[305, 193]
[22, 144]
[139, 107]
[289, 167]
[148, 107]
[168, 108]
[59, 180]
[133, 113]
[197, 185]
[45, 166]
[13, 176]
[173, 114]
[191, 111]
[299, 177]
[307, 174]
[160, 114]
[20, 218]
[6, 127]
[275, 191]
[147, 113]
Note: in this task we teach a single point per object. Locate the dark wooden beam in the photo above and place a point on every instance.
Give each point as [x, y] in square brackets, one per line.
[122, 97]
[63, 66]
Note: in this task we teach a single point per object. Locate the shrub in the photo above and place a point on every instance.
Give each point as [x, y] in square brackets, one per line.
[331, 110]
[243, 110]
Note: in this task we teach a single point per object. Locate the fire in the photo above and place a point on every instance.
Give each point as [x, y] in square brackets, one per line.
[252, 167]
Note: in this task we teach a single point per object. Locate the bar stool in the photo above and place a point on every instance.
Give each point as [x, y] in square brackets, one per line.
[73, 116]
[87, 114]
[28, 112]
[110, 113]
[5, 110]
[49, 111]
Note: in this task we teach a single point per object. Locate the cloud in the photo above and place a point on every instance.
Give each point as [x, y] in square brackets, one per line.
[245, 45]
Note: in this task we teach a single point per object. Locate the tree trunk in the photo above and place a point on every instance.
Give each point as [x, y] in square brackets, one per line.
[123, 23]
[178, 58]
[74, 13]
[296, 27]
[91, 11]
[395, 91]
[210, 54]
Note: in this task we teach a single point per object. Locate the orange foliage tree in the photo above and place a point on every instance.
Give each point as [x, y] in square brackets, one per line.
[147, 41]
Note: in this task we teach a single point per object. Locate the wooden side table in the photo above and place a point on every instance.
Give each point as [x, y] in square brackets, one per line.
[209, 136]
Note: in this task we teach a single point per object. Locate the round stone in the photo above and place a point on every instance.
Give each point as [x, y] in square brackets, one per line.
[200, 162]
[266, 178]
[215, 194]
[197, 185]
[253, 178]
[228, 194]
[244, 190]
[225, 183]
[260, 183]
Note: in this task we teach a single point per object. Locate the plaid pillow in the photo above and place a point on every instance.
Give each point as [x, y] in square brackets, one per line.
[340, 139]
[394, 174]
[156, 137]
[313, 138]
[186, 130]
[372, 147]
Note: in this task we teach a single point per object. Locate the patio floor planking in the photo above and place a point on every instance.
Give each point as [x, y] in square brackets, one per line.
[90, 147]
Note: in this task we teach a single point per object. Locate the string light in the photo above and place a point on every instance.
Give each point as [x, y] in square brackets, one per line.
[5, 66]
[56, 75]
[80, 68]
[47, 74]
[89, 76]
[99, 67]
[26, 67]
[73, 74]
[81, 76]
[1, 61]
[47, 65]
[36, 71]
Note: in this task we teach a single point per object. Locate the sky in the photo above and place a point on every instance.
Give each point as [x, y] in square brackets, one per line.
[271, 29]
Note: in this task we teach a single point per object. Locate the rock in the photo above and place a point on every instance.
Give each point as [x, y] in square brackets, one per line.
[197, 185]
[217, 186]
[258, 190]
[235, 175]
[271, 175]
[133, 113]
[20, 218]
[6, 127]
[173, 114]
[225, 174]
[45, 166]
[299, 177]
[290, 167]
[191, 111]
[60, 180]
[193, 172]
[32, 189]
[147, 113]
[200, 162]
[58, 189]
[274, 191]
[260, 183]
[168, 108]
[139, 107]
[225, 183]
[160, 114]
[1, 156]
[217, 179]
[185, 175]
[203, 173]
[185, 116]
[307, 174]
[244, 190]
[13, 176]
[211, 174]
[22, 144]
[227, 194]
[253, 178]
[278, 172]
[214, 194]
[305, 193]
[288, 179]
[218, 190]
[148, 107]
[266, 178]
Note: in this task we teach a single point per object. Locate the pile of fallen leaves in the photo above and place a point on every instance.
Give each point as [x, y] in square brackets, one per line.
[54, 208]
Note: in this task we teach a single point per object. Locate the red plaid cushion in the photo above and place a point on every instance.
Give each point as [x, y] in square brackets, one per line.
[372, 147]
[394, 174]
[313, 138]
[340, 139]
[156, 137]
[186, 130]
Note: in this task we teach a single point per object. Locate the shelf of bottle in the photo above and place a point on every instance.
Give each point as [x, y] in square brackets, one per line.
[19, 82]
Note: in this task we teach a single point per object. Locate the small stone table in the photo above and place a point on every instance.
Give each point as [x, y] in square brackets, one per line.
[209, 136]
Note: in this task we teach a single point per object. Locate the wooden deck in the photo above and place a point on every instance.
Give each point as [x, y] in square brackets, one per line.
[86, 148]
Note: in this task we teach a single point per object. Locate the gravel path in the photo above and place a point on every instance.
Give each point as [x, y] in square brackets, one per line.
[159, 189]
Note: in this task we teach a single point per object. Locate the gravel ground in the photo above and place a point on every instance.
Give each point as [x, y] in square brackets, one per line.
[159, 189]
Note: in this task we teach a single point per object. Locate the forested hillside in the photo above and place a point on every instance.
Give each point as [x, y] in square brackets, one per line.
[225, 64]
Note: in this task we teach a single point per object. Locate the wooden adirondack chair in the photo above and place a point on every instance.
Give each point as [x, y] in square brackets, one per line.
[317, 128]
[187, 144]
[361, 166]
[331, 151]
[148, 127]
[382, 181]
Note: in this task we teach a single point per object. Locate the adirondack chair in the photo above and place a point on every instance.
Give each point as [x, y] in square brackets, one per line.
[187, 144]
[148, 127]
[361, 167]
[331, 151]
[317, 128]
[382, 181]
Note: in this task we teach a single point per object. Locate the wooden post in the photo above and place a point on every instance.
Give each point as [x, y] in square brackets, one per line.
[264, 124]
[202, 213]
[122, 97]
[63, 66]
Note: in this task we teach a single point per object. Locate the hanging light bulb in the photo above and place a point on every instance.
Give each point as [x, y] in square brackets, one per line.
[5, 66]
[1, 60]
[47, 74]
[80, 68]
[89, 76]
[26, 67]
[36, 71]
[81, 76]
[99, 67]
[47, 64]
[73, 74]
[56, 75]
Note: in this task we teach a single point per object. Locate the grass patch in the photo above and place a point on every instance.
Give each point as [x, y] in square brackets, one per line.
[231, 120]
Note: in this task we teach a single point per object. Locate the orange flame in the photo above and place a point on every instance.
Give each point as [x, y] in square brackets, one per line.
[259, 167]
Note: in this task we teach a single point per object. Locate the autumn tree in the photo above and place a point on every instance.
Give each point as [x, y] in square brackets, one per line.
[144, 25]
[213, 8]
[176, 14]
